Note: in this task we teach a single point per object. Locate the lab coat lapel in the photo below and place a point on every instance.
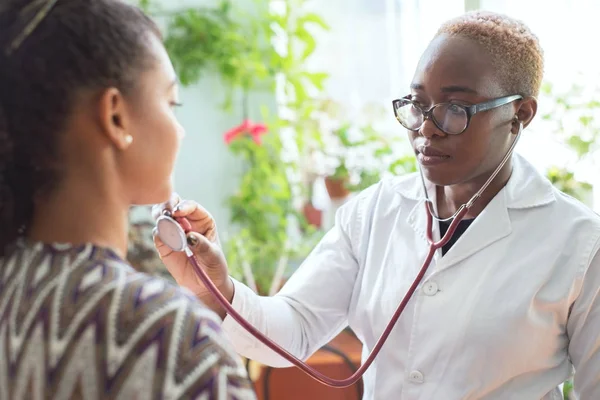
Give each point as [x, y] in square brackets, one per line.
[525, 189]
[490, 226]
[417, 218]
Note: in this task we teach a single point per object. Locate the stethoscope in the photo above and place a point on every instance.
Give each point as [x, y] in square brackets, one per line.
[173, 235]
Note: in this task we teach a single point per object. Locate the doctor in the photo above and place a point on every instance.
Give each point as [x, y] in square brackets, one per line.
[509, 307]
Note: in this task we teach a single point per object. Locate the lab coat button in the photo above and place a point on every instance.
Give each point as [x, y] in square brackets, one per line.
[430, 288]
[416, 377]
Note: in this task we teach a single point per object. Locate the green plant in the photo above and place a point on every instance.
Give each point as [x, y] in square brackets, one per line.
[266, 204]
[565, 181]
[223, 40]
[262, 48]
[262, 209]
[572, 116]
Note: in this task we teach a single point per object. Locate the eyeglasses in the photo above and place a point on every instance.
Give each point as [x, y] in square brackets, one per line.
[39, 15]
[450, 118]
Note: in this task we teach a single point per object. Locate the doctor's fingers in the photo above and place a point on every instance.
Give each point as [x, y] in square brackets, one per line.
[201, 220]
[206, 251]
[169, 205]
[162, 249]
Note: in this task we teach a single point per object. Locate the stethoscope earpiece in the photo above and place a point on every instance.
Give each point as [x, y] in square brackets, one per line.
[517, 121]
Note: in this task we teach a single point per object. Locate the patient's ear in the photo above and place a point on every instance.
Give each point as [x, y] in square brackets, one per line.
[113, 118]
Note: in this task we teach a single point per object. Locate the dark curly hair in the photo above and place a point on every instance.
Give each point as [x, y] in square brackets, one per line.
[50, 50]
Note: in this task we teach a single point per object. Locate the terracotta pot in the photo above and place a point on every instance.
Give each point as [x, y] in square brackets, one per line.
[313, 216]
[336, 188]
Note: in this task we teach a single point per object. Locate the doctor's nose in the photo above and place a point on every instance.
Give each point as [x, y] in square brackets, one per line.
[429, 129]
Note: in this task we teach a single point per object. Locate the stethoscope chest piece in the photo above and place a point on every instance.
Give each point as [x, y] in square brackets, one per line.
[171, 233]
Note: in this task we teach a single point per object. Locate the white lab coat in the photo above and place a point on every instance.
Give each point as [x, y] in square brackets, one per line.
[505, 314]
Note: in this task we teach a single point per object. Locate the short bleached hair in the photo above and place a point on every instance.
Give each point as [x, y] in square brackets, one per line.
[515, 50]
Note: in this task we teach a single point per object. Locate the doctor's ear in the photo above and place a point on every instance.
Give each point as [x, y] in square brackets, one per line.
[525, 112]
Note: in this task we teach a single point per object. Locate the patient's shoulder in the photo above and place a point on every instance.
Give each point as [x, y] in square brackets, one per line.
[101, 321]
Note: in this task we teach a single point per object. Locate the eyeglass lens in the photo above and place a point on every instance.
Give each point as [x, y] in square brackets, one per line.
[450, 118]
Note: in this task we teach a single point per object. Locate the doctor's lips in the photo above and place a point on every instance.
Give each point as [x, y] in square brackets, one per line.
[428, 155]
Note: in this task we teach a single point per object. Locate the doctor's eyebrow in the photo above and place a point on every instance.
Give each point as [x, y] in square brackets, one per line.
[446, 89]
[458, 89]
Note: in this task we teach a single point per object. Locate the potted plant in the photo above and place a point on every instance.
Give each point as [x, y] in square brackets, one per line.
[313, 215]
[352, 152]
[262, 209]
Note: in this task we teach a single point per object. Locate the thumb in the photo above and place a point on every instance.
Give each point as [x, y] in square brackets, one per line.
[206, 251]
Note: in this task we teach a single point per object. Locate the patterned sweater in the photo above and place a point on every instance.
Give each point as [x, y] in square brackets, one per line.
[80, 323]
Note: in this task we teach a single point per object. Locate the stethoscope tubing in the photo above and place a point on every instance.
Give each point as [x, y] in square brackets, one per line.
[337, 383]
[433, 247]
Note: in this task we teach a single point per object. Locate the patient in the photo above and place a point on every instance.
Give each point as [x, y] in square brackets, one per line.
[87, 129]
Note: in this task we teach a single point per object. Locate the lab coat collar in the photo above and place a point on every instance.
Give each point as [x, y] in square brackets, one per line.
[526, 188]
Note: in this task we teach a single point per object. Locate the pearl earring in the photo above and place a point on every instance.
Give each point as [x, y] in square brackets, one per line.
[128, 140]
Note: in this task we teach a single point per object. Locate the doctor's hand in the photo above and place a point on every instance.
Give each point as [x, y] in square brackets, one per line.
[203, 241]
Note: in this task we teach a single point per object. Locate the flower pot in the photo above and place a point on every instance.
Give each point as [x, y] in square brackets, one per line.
[313, 216]
[336, 188]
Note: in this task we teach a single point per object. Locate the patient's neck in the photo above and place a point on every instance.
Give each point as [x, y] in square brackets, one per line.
[81, 212]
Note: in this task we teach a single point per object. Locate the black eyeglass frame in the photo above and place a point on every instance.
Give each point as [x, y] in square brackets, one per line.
[470, 110]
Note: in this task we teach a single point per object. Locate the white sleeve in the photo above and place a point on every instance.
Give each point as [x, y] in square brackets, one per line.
[584, 333]
[312, 307]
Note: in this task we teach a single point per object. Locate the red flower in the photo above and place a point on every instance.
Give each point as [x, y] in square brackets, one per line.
[248, 127]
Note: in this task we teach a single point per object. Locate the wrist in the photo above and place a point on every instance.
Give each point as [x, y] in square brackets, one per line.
[209, 299]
